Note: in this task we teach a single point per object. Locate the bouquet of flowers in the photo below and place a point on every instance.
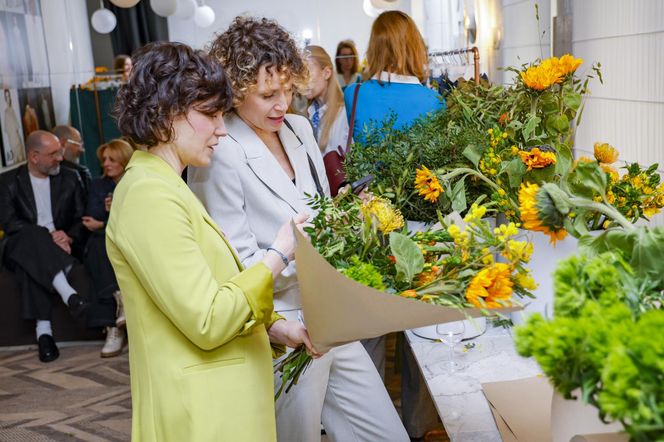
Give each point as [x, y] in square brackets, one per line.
[637, 194]
[605, 338]
[453, 266]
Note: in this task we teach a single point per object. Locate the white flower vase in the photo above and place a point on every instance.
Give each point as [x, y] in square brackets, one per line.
[573, 417]
[543, 263]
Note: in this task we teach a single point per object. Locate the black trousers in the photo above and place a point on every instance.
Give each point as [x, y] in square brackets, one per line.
[36, 259]
[101, 312]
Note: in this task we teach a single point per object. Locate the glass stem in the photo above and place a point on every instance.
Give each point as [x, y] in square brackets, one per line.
[452, 356]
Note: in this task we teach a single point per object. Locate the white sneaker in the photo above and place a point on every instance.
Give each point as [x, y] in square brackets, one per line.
[120, 320]
[115, 340]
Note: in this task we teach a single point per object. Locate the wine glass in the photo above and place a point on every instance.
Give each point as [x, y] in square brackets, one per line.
[450, 334]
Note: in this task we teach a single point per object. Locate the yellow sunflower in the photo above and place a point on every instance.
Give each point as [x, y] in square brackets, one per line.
[533, 218]
[605, 153]
[491, 287]
[541, 77]
[384, 213]
[427, 185]
[567, 64]
[537, 159]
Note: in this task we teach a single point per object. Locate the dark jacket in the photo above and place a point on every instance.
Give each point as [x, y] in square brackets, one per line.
[99, 190]
[82, 172]
[18, 207]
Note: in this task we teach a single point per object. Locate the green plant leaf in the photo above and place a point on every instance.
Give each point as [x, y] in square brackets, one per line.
[557, 123]
[588, 180]
[530, 126]
[409, 258]
[474, 153]
[564, 160]
[515, 170]
[572, 100]
[648, 253]
[458, 196]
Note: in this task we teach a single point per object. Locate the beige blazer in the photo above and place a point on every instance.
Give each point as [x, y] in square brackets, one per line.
[249, 195]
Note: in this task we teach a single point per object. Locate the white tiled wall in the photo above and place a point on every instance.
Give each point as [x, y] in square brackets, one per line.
[524, 38]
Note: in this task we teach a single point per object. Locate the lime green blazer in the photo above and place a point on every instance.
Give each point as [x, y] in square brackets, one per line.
[199, 355]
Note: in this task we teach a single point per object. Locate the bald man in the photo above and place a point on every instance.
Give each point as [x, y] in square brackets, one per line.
[41, 206]
[72, 143]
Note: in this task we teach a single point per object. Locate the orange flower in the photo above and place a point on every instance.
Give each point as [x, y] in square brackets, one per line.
[504, 119]
[537, 159]
[605, 153]
[491, 287]
[408, 294]
[427, 185]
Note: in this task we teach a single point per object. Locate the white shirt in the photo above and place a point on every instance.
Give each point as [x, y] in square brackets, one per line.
[387, 77]
[338, 132]
[41, 188]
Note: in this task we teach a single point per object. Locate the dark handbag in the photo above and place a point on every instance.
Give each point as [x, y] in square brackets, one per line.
[334, 160]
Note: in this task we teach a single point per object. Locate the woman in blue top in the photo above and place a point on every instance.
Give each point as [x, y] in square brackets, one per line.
[397, 60]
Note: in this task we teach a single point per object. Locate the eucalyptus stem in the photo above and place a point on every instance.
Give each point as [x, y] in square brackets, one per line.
[604, 209]
[467, 171]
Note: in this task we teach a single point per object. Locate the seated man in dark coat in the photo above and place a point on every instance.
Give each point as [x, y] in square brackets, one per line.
[41, 205]
[72, 143]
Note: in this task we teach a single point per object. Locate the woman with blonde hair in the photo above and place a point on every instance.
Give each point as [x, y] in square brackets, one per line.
[326, 109]
[397, 60]
[105, 300]
[262, 175]
[347, 62]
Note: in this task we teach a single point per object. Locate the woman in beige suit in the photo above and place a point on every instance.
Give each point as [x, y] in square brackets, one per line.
[200, 324]
[258, 179]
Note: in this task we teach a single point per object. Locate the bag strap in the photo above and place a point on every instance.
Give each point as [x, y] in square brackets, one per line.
[312, 166]
[351, 124]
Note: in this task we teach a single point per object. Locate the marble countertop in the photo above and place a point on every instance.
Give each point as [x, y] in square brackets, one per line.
[458, 396]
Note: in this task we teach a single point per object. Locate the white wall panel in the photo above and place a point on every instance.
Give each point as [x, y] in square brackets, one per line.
[524, 38]
[627, 37]
[614, 18]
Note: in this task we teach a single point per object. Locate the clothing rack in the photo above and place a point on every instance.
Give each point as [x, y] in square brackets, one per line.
[455, 54]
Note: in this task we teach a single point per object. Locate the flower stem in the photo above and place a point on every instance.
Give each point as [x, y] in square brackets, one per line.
[604, 209]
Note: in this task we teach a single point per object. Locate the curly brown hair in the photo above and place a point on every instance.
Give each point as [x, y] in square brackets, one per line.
[167, 80]
[249, 44]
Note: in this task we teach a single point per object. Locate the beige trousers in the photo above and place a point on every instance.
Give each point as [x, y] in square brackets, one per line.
[343, 391]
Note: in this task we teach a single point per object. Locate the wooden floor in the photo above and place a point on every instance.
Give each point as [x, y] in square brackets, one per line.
[81, 397]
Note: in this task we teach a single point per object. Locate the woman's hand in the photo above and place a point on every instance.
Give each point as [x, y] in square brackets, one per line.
[92, 224]
[285, 239]
[293, 334]
[284, 245]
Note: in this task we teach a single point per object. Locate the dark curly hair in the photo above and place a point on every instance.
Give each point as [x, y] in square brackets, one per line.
[249, 44]
[167, 80]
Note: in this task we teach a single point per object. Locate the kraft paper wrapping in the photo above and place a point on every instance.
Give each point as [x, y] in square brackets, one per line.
[529, 410]
[338, 310]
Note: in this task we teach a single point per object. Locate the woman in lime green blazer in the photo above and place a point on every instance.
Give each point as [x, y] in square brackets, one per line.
[200, 325]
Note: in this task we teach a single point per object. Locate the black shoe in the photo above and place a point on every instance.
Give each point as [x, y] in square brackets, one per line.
[77, 305]
[48, 351]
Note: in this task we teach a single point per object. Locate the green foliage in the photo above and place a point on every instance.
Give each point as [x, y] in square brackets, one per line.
[605, 338]
[364, 273]
[409, 260]
[392, 156]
